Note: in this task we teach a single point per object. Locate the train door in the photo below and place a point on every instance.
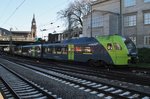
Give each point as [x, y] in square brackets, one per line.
[120, 54]
[33, 51]
[70, 52]
[111, 52]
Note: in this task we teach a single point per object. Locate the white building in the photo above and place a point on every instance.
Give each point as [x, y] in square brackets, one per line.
[125, 17]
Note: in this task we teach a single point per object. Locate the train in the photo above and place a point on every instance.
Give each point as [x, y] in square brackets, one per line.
[111, 50]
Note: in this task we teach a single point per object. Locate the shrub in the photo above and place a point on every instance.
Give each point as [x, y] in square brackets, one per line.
[144, 55]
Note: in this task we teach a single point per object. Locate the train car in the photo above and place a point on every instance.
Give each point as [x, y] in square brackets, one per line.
[33, 50]
[99, 51]
[102, 50]
[18, 50]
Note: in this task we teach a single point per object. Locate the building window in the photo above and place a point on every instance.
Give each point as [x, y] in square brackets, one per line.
[146, 0]
[146, 40]
[97, 21]
[130, 20]
[128, 3]
[146, 18]
[133, 39]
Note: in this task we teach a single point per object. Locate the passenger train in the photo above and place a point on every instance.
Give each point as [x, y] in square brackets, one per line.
[101, 50]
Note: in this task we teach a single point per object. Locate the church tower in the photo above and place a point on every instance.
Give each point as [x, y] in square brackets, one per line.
[33, 28]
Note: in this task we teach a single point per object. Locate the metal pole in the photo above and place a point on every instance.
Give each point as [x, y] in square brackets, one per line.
[136, 35]
[10, 42]
[91, 19]
[42, 35]
[121, 18]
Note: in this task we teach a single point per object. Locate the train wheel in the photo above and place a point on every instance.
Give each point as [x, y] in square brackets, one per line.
[94, 63]
[102, 64]
[97, 63]
[91, 62]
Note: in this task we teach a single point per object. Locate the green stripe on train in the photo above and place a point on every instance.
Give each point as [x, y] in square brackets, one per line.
[71, 52]
[119, 57]
[33, 53]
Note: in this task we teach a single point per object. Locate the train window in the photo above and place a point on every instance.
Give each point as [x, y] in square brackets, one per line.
[49, 50]
[54, 51]
[58, 50]
[30, 50]
[64, 50]
[109, 46]
[45, 50]
[78, 49]
[117, 46]
[87, 50]
[38, 49]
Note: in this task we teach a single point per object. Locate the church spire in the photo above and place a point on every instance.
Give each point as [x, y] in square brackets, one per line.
[33, 20]
[33, 27]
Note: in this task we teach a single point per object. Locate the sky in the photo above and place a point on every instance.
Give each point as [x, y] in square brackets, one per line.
[18, 14]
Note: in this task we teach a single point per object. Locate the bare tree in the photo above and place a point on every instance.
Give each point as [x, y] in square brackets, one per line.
[75, 12]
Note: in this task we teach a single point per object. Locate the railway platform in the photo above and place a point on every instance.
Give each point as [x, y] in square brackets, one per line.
[1, 97]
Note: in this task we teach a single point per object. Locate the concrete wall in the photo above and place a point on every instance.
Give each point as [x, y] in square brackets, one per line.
[114, 24]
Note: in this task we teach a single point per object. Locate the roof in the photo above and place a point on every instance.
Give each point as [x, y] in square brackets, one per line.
[2, 30]
[20, 32]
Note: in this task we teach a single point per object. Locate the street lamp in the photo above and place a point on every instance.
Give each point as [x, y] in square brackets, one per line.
[43, 31]
[10, 41]
[45, 37]
[91, 18]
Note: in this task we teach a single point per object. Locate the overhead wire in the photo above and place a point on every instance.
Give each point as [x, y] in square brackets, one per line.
[13, 12]
[4, 9]
[54, 20]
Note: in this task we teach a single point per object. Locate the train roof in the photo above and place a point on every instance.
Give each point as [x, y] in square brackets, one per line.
[83, 40]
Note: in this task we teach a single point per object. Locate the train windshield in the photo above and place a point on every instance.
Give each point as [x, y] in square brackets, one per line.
[130, 46]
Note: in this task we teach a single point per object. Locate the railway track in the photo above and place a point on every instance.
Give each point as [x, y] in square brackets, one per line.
[15, 86]
[104, 73]
[6, 90]
[100, 89]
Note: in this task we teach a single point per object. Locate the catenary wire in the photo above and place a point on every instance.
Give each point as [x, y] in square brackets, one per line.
[5, 8]
[13, 12]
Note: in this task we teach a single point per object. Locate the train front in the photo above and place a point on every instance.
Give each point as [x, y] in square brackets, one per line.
[132, 50]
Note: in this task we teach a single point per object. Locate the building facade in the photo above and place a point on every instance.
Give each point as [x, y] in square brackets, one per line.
[136, 21]
[129, 18]
[53, 38]
[22, 36]
[5, 35]
[103, 20]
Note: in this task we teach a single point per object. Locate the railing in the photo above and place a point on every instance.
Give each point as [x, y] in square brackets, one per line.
[15, 38]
